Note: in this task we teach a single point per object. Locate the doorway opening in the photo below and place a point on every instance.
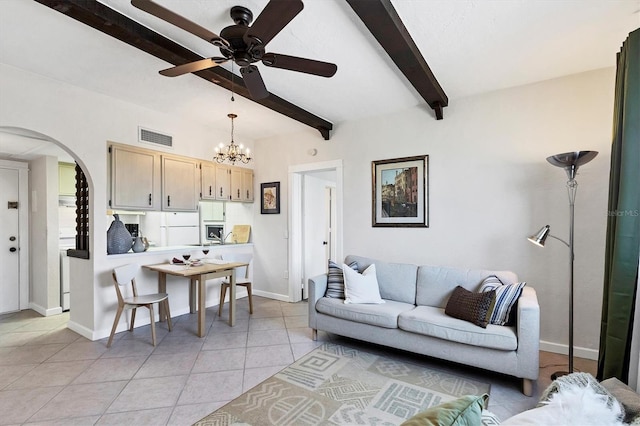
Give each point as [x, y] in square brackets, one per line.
[315, 226]
[44, 210]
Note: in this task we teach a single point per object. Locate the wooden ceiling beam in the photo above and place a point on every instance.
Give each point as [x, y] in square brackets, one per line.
[113, 23]
[383, 22]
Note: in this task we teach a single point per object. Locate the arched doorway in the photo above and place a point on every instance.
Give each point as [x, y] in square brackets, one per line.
[36, 158]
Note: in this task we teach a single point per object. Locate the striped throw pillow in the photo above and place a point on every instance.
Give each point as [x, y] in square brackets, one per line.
[506, 298]
[335, 280]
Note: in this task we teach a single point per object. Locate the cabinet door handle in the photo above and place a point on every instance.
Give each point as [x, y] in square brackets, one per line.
[221, 191]
[247, 194]
[209, 189]
[149, 198]
[168, 200]
[238, 193]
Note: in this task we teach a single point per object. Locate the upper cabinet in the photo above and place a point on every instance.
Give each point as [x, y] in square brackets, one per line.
[247, 185]
[143, 179]
[180, 184]
[67, 179]
[208, 181]
[134, 178]
[223, 182]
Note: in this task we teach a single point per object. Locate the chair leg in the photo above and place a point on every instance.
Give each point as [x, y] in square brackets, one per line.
[223, 293]
[153, 324]
[133, 318]
[250, 298]
[115, 325]
[166, 309]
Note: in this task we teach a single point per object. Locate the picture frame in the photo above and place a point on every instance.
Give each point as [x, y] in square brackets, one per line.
[400, 195]
[270, 198]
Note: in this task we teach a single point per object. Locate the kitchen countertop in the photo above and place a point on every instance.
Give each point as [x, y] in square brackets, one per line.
[181, 249]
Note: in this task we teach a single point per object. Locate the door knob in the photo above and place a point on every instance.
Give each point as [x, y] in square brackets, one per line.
[12, 238]
[13, 249]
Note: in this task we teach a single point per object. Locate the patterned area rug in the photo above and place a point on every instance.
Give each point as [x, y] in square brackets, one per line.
[338, 385]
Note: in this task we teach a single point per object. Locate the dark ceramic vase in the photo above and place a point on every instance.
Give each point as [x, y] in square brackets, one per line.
[118, 238]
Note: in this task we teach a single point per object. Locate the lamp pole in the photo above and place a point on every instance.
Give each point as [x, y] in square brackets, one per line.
[569, 161]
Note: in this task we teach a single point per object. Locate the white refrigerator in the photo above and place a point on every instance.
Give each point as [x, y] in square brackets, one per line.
[179, 229]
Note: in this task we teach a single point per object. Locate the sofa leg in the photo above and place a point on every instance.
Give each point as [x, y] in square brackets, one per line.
[527, 387]
[314, 334]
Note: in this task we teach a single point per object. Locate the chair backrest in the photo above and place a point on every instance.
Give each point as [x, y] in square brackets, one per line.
[125, 275]
[242, 258]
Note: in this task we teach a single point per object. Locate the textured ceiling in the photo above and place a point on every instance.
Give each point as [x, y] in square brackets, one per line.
[472, 47]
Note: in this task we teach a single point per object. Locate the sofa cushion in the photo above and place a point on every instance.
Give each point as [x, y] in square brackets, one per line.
[435, 284]
[397, 281]
[432, 321]
[335, 280]
[506, 297]
[469, 306]
[361, 288]
[385, 315]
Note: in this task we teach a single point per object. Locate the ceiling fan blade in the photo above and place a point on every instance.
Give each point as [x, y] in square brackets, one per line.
[294, 63]
[173, 18]
[200, 65]
[253, 81]
[273, 18]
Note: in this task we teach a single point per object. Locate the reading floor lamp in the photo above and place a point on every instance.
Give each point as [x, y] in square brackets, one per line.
[570, 161]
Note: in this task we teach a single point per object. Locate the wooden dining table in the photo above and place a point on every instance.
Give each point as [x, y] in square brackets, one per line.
[198, 275]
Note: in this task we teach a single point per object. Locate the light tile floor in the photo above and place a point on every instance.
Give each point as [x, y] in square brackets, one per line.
[50, 375]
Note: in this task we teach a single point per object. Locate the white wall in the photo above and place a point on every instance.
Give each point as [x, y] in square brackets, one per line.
[489, 188]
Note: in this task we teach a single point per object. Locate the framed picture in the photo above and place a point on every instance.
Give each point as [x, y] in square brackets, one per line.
[270, 198]
[400, 192]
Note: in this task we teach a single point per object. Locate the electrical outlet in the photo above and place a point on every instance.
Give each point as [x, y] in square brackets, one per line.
[286, 275]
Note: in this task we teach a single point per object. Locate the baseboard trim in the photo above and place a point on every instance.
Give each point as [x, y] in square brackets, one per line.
[269, 295]
[81, 330]
[44, 311]
[564, 350]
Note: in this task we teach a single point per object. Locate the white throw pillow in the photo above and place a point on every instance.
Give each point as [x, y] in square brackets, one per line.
[361, 288]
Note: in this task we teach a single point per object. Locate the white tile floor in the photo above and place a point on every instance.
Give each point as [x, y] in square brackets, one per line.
[51, 375]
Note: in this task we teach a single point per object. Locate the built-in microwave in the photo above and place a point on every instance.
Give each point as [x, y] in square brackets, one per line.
[214, 232]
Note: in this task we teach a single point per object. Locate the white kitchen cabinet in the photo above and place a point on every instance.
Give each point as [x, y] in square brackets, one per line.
[208, 181]
[134, 178]
[180, 184]
[247, 185]
[236, 184]
[223, 183]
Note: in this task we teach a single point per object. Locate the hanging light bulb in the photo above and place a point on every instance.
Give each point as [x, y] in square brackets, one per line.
[233, 152]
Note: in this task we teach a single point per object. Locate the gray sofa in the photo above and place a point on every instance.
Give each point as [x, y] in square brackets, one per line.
[413, 319]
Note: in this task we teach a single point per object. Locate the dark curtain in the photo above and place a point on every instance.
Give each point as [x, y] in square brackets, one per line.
[623, 224]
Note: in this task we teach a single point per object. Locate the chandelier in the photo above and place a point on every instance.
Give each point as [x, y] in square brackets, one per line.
[233, 152]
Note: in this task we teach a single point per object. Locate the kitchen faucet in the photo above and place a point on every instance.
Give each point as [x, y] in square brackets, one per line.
[222, 240]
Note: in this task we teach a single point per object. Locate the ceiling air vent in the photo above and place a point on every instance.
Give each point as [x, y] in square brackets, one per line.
[150, 136]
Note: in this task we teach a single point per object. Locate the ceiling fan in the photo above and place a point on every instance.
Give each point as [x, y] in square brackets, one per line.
[243, 44]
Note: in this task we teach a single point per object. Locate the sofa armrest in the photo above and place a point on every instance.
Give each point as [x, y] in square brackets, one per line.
[528, 331]
[317, 289]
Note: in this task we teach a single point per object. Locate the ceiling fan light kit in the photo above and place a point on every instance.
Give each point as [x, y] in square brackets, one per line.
[243, 44]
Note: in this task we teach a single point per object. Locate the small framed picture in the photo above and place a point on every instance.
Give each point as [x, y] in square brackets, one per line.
[400, 192]
[270, 198]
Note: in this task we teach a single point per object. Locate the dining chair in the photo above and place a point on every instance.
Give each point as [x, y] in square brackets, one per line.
[123, 276]
[242, 278]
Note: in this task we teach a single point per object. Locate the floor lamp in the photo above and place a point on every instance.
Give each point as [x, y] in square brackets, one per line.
[570, 161]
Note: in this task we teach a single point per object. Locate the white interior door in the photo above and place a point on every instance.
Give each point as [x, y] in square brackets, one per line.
[9, 241]
[308, 222]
